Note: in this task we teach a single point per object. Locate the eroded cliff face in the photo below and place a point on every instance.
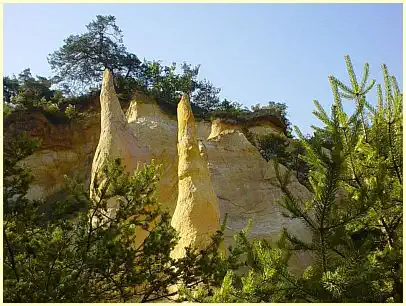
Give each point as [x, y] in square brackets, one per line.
[66, 149]
[116, 138]
[196, 217]
[241, 178]
[244, 183]
[116, 141]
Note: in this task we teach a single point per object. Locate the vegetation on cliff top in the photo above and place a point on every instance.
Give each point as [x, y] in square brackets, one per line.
[78, 65]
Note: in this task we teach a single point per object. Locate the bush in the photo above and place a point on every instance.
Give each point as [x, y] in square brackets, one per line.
[236, 113]
[285, 151]
[70, 111]
[7, 109]
[51, 107]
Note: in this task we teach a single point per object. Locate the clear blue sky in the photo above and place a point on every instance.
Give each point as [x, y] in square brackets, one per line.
[254, 52]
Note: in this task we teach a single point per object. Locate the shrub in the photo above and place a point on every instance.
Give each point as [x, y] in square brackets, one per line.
[7, 109]
[70, 111]
[51, 107]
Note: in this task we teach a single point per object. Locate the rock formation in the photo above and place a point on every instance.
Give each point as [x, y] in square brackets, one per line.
[66, 149]
[244, 184]
[241, 178]
[116, 141]
[197, 216]
[156, 132]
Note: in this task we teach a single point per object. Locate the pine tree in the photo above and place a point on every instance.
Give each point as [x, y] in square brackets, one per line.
[355, 215]
[61, 256]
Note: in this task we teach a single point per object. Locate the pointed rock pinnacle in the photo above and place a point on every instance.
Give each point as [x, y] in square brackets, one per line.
[197, 215]
[116, 141]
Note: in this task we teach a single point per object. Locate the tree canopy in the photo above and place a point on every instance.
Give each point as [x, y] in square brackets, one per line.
[83, 58]
[28, 92]
[79, 64]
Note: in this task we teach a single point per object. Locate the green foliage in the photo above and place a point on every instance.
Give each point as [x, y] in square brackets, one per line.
[7, 109]
[232, 111]
[28, 92]
[238, 256]
[206, 97]
[11, 87]
[274, 146]
[268, 279]
[275, 109]
[165, 85]
[50, 107]
[355, 215]
[83, 58]
[71, 112]
[80, 62]
[236, 113]
[356, 212]
[64, 255]
[285, 151]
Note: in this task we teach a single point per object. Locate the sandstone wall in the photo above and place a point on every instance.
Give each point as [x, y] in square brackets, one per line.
[66, 149]
[241, 177]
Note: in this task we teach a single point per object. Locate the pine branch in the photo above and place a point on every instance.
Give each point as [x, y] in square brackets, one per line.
[395, 85]
[387, 83]
[295, 209]
[392, 153]
[380, 98]
[369, 87]
[11, 256]
[365, 75]
[351, 73]
[320, 113]
[347, 91]
[104, 191]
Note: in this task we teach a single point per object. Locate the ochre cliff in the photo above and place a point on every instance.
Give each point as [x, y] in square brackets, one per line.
[196, 217]
[66, 149]
[241, 178]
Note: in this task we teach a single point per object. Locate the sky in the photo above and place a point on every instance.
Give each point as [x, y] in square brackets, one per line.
[254, 52]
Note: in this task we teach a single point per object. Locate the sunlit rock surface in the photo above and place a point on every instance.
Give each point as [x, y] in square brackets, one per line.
[196, 216]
